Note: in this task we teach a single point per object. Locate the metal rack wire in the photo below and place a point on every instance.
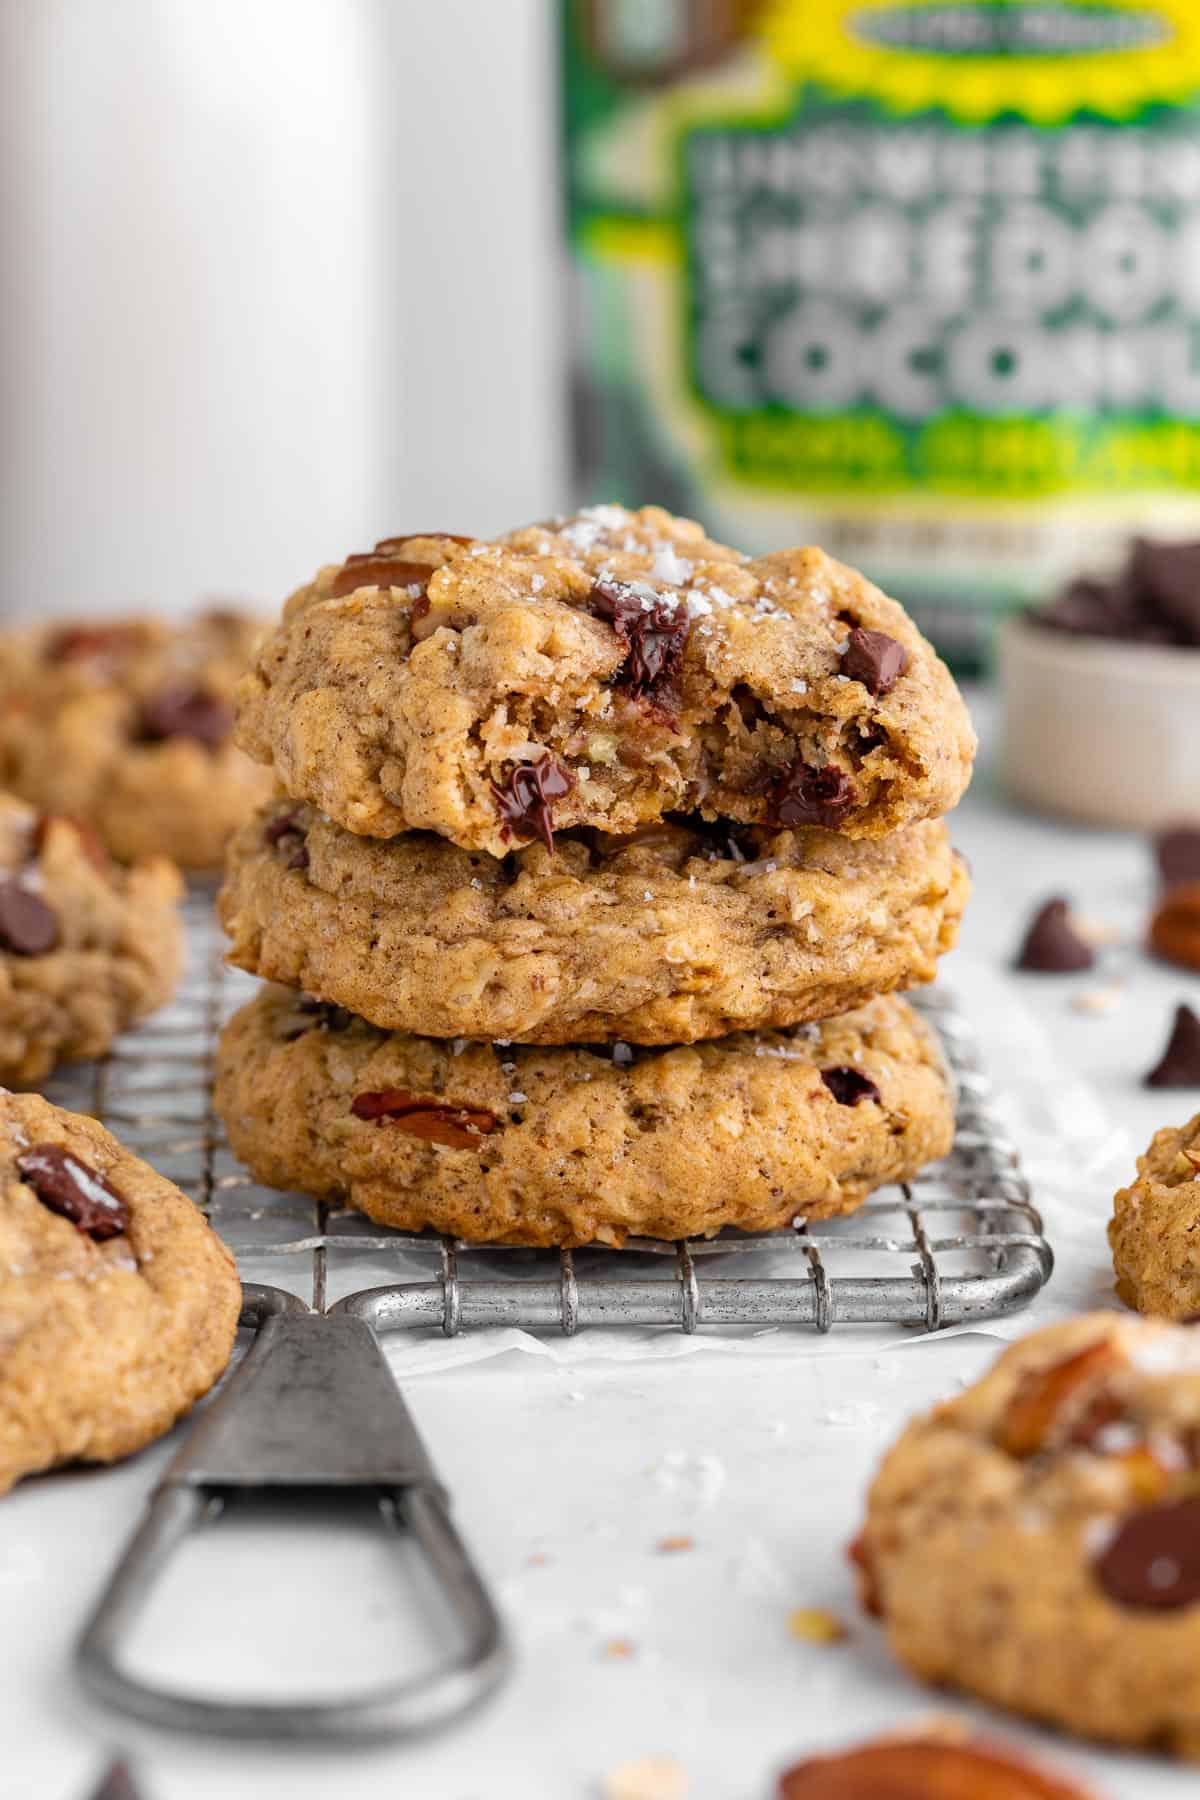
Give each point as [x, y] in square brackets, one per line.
[962, 1241]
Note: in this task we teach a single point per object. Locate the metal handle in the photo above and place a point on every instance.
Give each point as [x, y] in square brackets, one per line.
[314, 1406]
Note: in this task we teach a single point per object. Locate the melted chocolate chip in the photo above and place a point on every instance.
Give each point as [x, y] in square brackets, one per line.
[524, 801]
[1153, 1562]
[1177, 853]
[186, 712]
[654, 632]
[425, 1116]
[67, 1185]
[282, 825]
[875, 659]
[27, 925]
[849, 1085]
[1179, 1064]
[802, 795]
[1052, 946]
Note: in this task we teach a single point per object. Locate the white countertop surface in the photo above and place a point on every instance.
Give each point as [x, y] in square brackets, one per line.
[565, 1479]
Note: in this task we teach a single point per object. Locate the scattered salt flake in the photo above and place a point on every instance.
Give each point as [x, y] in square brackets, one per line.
[517, 1098]
[1098, 1000]
[814, 1625]
[646, 894]
[670, 567]
[475, 882]
[537, 583]
[699, 1478]
[799, 687]
[647, 1778]
[669, 1545]
[858, 1412]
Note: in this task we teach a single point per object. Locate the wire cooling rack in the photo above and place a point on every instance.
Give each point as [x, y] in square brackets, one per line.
[962, 1241]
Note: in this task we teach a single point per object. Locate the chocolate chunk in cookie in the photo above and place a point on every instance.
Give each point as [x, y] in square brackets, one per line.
[186, 712]
[68, 1185]
[848, 1086]
[1052, 946]
[806, 796]
[1153, 1561]
[28, 927]
[653, 629]
[875, 659]
[524, 802]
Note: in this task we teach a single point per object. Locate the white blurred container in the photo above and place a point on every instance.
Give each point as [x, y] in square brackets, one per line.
[277, 278]
[1100, 730]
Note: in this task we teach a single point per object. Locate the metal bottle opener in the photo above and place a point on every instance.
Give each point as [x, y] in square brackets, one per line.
[312, 1407]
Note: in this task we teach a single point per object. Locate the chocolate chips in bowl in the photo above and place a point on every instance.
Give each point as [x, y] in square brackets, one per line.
[1100, 691]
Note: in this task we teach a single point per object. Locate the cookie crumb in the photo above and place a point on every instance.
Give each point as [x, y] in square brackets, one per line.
[670, 1545]
[814, 1625]
[1098, 1000]
[647, 1778]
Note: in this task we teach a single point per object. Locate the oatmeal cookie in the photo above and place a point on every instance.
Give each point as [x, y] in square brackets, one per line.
[603, 670]
[86, 948]
[676, 933]
[127, 724]
[1154, 1232]
[1035, 1540]
[118, 1303]
[583, 1144]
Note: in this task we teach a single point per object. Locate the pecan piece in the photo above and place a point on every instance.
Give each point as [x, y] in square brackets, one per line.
[1045, 1398]
[425, 1116]
[922, 1768]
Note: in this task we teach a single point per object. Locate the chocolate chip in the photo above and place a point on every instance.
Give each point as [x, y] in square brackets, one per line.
[425, 1116]
[875, 659]
[186, 712]
[27, 925]
[282, 825]
[325, 1015]
[1168, 577]
[849, 1085]
[1052, 946]
[117, 1783]
[1177, 853]
[67, 1185]
[1154, 599]
[653, 630]
[802, 795]
[524, 800]
[1179, 1064]
[1153, 1562]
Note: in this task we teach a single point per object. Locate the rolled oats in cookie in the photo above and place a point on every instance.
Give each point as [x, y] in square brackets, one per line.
[603, 671]
[678, 932]
[118, 1303]
[1035, 1540]
[1154, 1233]
[86, 947]
[127, 724]
[580, 1144]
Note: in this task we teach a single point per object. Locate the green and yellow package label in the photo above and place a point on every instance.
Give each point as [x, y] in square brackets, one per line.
[919, 279]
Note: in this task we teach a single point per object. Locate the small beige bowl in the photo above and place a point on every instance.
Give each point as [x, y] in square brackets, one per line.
[1098, 729]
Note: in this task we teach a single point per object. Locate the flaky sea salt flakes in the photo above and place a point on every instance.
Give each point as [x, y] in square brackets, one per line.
[475, 882]
[517, 1098]
[799, 687]
[670, 567]
[537, 583]
[647, 1778]
[814, 1625]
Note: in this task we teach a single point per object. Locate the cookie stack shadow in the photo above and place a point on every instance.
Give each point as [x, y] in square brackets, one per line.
[571, 1034]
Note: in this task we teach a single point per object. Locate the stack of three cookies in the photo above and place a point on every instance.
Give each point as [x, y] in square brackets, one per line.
[600, 854]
